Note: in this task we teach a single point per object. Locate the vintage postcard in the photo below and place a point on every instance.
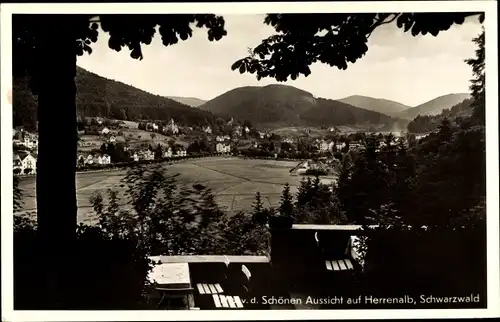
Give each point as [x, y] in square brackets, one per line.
[236, 161]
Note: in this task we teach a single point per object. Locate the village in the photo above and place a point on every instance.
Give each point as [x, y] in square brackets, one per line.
[104, 142]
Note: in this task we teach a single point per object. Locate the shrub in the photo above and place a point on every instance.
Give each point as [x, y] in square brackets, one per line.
[316, 172]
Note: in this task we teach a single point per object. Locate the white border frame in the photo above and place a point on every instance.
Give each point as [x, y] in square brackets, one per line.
[490, 7]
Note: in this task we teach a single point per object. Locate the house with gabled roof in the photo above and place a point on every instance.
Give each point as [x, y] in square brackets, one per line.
[25, 162]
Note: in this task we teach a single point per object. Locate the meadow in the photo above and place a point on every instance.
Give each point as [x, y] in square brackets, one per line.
[234, 182]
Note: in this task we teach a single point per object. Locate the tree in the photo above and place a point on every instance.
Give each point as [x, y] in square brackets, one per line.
[81, 162]
[445, 131]
[334, 39]
[257, 206]
[362, 186]
[304, 192]
[286, 204]
[158, 151]
[477, 86]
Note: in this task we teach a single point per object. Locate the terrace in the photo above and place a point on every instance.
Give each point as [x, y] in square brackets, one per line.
[306, 261]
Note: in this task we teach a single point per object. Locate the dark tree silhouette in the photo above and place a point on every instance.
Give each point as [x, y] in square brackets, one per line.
[286, 203]
[477, 86]
[257, 206]
[333, 39]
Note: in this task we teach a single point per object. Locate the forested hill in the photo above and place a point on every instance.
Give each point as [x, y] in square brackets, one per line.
[99, 96]
[281, 104]
[429, 123]
[380, 105]
[434, 106]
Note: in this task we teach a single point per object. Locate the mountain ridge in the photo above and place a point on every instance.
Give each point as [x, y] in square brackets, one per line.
[435, 106]
[103, 97]
[288, 105]
[381, 105]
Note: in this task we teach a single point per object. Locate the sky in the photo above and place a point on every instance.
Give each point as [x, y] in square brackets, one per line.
[400, 67]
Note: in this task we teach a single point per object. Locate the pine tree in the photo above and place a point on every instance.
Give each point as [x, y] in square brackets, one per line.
[257, 206]
[158, 152]
[304, 192]
[260, 215]
[445, 131]
[478, 82]
[286, 205]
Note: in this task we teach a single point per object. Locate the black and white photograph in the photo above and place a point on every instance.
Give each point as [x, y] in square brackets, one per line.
[332, 159]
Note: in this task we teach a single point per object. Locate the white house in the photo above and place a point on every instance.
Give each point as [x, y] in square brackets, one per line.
[30, 141]
[105, 131]
[154, 126]
[331, 145]
[246, 129]
[17, 164]
[355, 146]
[323, 146]
[340, 145]
[135, 157]
[237, 131]
[223, 148]
[207, 129]
[168, 153]
[106, 159]
[112, 139]
[418, 136]
[102, 159]
[90, 159]
[147, 155]
[181, 153]
[25, 162]
[173, 127]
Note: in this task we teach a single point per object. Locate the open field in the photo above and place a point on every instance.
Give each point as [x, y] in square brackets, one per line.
[234, 182]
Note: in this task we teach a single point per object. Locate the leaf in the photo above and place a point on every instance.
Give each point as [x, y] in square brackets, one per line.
[408, 25]
[434, 32]
[88, 49]
[136, 53]
[236, 64]
[415, 30]
[481, 17]
[307, 71]
[400, 21]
